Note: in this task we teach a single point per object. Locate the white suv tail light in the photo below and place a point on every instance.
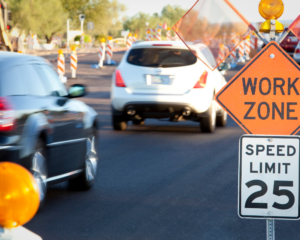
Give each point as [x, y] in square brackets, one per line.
[7, 116]
[119, 79]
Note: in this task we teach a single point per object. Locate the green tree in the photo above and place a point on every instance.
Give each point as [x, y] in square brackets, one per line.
[169, 14]
[45, 18]
[104, 13]
[137, 24]
[172, 14]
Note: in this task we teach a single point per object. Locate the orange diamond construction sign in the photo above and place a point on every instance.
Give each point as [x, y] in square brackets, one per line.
[264, 97]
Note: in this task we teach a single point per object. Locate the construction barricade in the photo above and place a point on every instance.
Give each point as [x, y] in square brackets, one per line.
[102, 53]
[134, 38]
[148, 36]
[153, 34]
[253, 45]
[247, 48]
[56, 41]
[221, 54]
[109, 51]
[29, 41]
[73, 61]
[61, 63]
[241, 52]
[129, 41]
[158, 34]
[169, 37]
[82, 40]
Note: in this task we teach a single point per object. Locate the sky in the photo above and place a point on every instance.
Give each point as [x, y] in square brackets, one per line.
[249, 8]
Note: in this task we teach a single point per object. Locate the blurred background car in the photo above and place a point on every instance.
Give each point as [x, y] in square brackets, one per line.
[297, 53]
[166, 80]
[289, 43]
[42, 127]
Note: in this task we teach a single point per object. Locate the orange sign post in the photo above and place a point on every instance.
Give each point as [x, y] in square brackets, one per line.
[264, 97]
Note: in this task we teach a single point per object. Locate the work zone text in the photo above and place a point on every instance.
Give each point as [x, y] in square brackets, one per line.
[271, 88]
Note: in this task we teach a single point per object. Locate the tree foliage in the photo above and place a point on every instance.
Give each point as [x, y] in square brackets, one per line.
[104, 13]
[41, 17]
[48, 17]
[169, 15]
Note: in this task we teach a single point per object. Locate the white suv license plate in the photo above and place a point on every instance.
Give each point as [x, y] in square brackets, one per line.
[158, 79]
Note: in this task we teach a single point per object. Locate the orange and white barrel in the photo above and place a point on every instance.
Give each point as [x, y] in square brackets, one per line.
[101, 54]
[232, 36]
[73, 60]
[56, 40]
[224, 38]
[247, 48]
[30, 42]
[129, 41]
[176, 38]
[148, 35]
[61, 63]
[82, 40]
[109, 50]
[153, 34]
[158, 34]
[233, 56]
[253, 42]
[241, 52]
[134, 38]
[169, 38]
[221, 54]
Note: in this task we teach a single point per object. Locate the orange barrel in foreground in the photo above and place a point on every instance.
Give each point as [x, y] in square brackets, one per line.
[19, 196]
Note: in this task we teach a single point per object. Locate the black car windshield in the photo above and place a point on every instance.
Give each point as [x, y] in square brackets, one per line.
[161, 57]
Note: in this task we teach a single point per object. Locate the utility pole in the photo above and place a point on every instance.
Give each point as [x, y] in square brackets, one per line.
[81, 18]
[68, 29]
[5, 42]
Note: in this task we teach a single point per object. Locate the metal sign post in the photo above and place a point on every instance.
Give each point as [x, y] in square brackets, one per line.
[270, 229]
[81, 18]
[68, 32]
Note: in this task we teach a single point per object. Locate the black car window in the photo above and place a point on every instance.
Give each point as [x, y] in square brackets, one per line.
[161, 57]
[11, 83]
[51, 80]
[32, 80]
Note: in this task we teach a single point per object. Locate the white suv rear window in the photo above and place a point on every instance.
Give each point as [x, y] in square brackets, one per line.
[160, 57]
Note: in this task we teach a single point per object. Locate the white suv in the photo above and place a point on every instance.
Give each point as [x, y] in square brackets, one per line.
[166, 80]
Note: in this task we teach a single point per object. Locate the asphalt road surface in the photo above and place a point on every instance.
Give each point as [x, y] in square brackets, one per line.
[159, 181]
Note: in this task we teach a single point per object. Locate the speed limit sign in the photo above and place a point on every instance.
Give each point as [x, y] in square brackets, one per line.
[269, 177]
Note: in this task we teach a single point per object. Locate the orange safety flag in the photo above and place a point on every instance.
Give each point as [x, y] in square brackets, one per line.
[295, 27]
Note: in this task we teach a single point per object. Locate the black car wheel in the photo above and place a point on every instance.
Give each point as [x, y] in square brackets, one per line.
[39, 169]
[119, 123]
[86, 180]
[208, 124]
[222, 119]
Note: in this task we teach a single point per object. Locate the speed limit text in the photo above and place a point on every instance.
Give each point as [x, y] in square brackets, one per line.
[270, 150]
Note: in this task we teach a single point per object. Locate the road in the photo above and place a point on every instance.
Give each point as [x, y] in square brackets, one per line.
[159, 181]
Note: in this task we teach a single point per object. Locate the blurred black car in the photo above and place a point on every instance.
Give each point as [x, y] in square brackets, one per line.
[41, 127]
[290, 43]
